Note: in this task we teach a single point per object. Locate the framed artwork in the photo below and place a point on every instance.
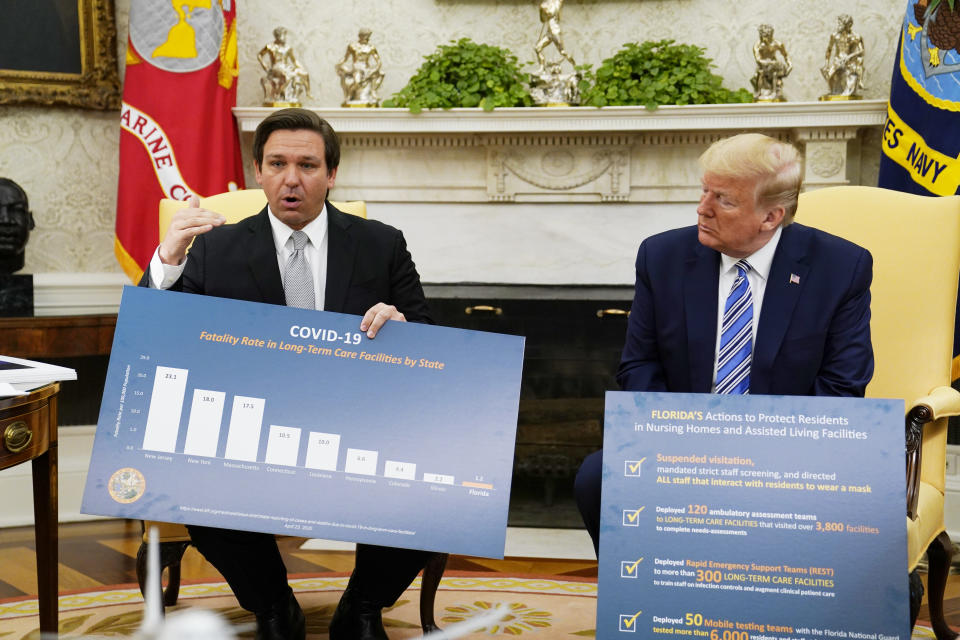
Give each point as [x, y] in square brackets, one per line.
[59, 52]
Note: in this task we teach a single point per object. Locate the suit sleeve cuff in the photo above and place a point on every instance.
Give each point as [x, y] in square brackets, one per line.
[163, 276]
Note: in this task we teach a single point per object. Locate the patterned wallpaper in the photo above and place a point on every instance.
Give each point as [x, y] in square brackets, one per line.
[406, 30]
[66, 159]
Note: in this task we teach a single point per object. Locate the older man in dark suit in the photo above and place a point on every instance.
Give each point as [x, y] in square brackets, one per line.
[299, 251]
[746, 301]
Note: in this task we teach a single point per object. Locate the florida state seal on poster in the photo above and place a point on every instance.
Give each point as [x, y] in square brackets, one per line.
[126, 485]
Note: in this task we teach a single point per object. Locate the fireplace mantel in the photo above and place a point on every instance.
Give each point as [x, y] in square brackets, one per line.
[559, 196]
[721, 117]
[571, 154]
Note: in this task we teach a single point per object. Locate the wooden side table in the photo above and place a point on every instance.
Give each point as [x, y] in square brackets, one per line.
[28, 431]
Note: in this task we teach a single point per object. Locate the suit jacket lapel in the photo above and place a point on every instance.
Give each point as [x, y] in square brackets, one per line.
[262, 260]
[700, 302]
[779, 300]
[341, 253]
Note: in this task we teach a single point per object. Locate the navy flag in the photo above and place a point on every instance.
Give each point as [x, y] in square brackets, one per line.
[921, 139]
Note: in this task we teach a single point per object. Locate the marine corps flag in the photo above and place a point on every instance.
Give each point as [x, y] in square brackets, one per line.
[921, 139]
[178, 136]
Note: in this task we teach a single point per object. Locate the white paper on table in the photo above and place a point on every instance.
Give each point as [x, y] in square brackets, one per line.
[7, 389]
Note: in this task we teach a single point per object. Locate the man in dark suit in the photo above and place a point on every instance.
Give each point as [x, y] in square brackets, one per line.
[299, 251]
[746, 301]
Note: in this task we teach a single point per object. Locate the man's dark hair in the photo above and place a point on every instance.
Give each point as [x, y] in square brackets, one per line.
[297, 119]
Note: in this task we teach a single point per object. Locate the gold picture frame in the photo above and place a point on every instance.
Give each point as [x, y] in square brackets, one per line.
[96, 86]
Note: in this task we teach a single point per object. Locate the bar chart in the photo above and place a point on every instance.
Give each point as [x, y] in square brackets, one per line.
[230, 425]
[287, 446]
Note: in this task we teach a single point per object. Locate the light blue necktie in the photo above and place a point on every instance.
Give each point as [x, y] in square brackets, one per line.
[736, 337]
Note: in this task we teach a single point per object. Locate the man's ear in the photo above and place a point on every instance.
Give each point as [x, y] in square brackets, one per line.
[30, 222]
[773, 218]
[256, 172]
[331, 178]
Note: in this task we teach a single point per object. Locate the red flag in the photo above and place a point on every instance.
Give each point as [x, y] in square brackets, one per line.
[178, 136]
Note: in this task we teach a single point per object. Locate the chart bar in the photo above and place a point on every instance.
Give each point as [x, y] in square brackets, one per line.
[243, 437]
[322, 450]
[401, 470]
[361, 461]
[477, 485]
[166, 404]
[203, 429]
[437, 478]
[283, 445]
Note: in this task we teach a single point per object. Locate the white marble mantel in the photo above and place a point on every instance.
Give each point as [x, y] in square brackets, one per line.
[783, 115]
[614, 154]
[558, 196]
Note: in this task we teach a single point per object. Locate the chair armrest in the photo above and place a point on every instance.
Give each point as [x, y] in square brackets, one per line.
[941, 402]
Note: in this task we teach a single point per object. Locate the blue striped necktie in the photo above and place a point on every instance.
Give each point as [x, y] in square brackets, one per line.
[736, 336]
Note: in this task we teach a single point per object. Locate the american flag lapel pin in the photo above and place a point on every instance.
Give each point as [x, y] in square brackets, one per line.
[794, 278]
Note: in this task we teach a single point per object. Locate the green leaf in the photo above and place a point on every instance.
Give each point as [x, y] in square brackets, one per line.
[656, 72]
[465, 74]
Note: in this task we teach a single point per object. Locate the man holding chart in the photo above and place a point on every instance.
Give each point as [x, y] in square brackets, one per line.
[746, 301]
[298, 251]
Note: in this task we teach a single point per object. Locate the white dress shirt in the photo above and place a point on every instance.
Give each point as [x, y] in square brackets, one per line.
[163, 276]
[760, 262]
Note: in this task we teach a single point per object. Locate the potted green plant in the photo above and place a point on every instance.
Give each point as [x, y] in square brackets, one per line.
[465, 74]
[656, 73]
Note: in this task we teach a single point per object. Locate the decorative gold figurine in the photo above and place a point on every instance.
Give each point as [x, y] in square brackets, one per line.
[768, 80]
[843, 70]
[549, 85]
[286, 81]
[359, 72]
[550, 31]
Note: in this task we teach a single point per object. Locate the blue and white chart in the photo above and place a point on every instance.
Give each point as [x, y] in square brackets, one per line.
[268, 418]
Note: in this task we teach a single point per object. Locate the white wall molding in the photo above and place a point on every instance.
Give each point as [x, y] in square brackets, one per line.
[67, 294]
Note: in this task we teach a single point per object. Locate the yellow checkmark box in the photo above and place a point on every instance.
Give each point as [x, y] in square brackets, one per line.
[628, 622]
[632, 566]
[635, 466]
[633, 515]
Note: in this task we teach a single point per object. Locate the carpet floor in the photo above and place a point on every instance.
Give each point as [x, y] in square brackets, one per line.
[540, 607]
[544, 607]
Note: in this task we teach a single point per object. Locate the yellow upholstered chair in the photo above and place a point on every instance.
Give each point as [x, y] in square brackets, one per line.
[915, 242]
[237, 205]
[173, 538]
